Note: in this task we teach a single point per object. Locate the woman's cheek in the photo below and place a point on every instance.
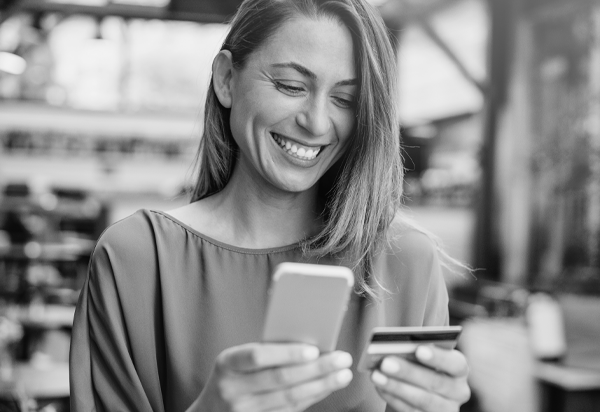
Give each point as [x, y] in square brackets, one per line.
[344, 137]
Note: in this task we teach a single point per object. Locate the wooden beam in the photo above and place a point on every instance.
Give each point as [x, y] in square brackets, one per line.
[407, 11]
[462, 68]
[486, 248]
[394, 12]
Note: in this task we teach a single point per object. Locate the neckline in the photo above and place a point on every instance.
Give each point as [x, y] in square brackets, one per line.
[223, 245]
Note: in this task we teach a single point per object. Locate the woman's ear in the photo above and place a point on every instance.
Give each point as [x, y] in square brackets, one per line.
[222, 77]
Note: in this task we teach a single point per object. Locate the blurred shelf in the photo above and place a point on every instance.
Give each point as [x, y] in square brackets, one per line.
[44, 118]
[37, 381]
[48, 251]
[43, 316]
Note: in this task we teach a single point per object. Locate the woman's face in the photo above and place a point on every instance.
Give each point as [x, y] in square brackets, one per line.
[292, 104]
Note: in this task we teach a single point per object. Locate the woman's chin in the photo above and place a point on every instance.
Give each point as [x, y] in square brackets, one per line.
[293, 184]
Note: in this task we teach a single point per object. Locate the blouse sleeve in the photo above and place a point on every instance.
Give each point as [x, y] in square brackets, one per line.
[103, 373]
[413, 277]
[416, 291]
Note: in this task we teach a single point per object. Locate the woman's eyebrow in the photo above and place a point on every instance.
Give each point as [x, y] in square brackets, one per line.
[349, 82]
[306, 72]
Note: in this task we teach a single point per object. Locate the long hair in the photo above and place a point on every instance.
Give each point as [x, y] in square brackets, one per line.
[363, 190]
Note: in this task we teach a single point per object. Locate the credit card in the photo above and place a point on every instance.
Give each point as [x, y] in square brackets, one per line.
[404, 341]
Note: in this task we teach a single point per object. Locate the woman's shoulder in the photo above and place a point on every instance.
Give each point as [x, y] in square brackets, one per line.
[202, 216]
[128, 232]
[129, 252]
[409, 255]
[137, 240]
[405, 238]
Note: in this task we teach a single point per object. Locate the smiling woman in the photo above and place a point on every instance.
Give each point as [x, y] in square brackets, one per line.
[299, 162]
[351, 86]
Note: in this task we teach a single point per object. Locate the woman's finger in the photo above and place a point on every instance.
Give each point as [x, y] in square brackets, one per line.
[255, 356]
[302, 405]
[424, 377]
[294, 396]
[274, 378]
[397, 404]
[413, 396]
[451, 362]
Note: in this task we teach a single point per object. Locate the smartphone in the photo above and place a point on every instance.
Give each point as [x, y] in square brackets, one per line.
[307, 304]
[404, 341]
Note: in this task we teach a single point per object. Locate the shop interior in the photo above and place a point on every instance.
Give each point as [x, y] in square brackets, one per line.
[101, 114]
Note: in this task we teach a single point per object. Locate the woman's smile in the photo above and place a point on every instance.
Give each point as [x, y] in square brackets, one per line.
[297, 150]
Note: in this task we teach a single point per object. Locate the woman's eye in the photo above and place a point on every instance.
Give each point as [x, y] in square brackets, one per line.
[344, 103]
[289, 89]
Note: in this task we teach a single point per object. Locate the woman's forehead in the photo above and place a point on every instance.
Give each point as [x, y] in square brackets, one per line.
[322, 45]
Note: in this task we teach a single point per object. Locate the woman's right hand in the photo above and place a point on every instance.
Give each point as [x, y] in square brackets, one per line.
[273, 377]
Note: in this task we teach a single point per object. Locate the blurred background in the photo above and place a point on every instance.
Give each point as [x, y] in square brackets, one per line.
[101, 112]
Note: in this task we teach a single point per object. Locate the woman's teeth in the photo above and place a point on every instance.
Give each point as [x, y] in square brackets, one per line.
[294, 150]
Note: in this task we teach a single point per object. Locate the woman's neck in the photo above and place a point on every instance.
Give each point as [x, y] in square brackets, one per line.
[249, 213]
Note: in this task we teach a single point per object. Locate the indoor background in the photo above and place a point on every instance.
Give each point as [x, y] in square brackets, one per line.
[101, 113]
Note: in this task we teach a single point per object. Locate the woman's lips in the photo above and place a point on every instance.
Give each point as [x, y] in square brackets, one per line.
[295, 149]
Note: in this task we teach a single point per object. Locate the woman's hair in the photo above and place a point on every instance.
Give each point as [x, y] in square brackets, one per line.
[363, 190]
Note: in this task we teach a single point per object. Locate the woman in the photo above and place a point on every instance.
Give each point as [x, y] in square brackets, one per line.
[299, 161]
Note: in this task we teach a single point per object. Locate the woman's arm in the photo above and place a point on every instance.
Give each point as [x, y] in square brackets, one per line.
[103, 375]
[439, 381]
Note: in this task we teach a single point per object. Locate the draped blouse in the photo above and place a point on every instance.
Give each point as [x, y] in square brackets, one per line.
[162, 300]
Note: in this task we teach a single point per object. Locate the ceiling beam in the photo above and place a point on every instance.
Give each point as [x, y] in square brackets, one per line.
[443, 46]
[111, 9]
[395, 12]
[420, 13]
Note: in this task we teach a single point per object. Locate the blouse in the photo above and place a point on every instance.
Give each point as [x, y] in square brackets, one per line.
[162, 300]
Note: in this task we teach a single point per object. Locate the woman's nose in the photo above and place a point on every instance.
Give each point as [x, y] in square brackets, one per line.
[314, 117]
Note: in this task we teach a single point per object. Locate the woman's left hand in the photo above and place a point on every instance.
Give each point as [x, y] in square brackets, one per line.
[438, 384]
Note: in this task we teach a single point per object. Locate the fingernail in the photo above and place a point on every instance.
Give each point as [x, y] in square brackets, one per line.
[379, 378]
[424, 353]
[390, 365]
[344, 376]
[310, 353]
[342, 360]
